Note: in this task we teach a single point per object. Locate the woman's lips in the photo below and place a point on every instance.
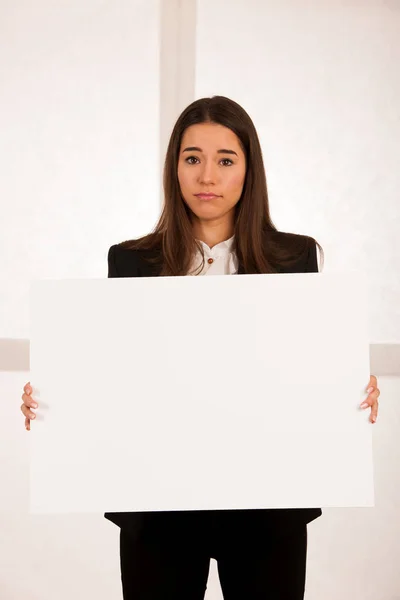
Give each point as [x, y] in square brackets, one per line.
[206, 196]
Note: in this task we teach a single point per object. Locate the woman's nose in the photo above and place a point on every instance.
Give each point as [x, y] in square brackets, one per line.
[209, 173]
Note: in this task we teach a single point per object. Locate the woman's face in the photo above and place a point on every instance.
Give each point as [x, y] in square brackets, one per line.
[211, 161]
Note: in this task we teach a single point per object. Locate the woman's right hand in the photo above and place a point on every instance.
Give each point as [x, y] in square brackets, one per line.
[28, 404]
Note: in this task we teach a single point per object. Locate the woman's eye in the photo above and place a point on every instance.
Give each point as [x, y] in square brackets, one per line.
[224, 160]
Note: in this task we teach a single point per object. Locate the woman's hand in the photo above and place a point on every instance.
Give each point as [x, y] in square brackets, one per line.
[28, 404]
[372, 399]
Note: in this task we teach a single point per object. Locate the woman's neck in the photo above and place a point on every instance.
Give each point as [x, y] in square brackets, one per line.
[212, 233]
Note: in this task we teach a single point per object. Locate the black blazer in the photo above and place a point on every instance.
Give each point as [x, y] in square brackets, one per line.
[123, 262]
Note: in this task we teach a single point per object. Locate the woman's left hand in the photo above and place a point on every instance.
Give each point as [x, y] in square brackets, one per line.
[372, 400]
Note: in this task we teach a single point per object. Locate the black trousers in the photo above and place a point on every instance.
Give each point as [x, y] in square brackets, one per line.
[169, 558]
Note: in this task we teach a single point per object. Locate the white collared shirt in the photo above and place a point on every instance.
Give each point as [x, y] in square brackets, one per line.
[219, 260]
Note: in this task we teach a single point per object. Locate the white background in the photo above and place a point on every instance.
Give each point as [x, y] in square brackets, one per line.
[321, 83]
[79, 152]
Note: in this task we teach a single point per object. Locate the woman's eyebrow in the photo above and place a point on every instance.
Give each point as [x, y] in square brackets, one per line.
[196, 149]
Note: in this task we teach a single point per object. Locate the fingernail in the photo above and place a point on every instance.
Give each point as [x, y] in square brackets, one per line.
[374, 419]
[364, 405]
[34, 405]
[369, 390]
[32, 416]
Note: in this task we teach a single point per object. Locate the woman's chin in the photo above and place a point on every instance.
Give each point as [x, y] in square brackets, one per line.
[207, 215]
[207, 211]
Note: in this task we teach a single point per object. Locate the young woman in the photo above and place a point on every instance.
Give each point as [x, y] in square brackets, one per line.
[215, 221]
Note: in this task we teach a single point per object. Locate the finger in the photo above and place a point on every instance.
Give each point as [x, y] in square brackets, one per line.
[370, 389]
[374, 412]
[372, 398]
[372, 385]
[27, 424]
[29, 401]
[27, 412]
[28, 388]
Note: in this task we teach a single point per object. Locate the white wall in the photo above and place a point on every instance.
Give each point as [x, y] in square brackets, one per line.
[80, 163]
[79, 146]
[82, 130]
[321, 81]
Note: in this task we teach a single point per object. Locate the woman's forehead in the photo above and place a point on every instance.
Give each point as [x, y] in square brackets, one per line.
[211, 136]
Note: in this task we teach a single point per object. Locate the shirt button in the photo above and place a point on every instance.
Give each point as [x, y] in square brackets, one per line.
[210, 261]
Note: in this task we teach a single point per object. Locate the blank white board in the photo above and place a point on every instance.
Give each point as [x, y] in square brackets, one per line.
[196, 393]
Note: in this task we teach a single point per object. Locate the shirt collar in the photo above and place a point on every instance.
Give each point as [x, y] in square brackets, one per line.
[219, 249]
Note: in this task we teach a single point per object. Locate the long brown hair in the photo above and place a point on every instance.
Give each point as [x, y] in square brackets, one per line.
[259, 247]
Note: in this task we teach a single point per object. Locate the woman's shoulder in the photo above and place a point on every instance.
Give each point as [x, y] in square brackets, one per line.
[289, 238]
[127, 259]
[290, 244]
[293, 252]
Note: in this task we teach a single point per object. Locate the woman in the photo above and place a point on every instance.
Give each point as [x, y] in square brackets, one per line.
[215, 221]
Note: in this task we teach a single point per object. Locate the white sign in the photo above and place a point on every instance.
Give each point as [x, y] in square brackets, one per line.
[195, 393]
